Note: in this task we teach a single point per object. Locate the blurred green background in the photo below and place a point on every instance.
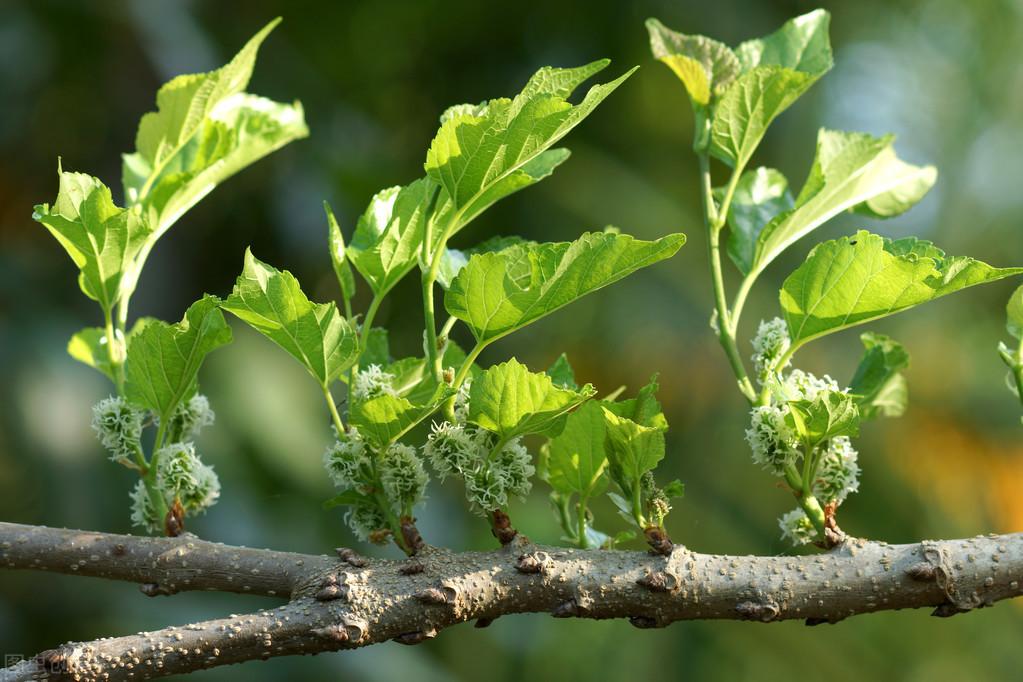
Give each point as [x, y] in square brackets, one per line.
[943, 74]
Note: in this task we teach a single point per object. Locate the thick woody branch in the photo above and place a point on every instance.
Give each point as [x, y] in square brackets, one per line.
[158, 565]
[355, 603]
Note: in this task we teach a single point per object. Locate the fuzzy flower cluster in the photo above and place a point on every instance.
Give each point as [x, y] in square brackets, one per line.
[772, 442]
[797, 528]
[118, 425]
[350, 463]
[372, 382]
[838, 473]
[800, 385]
[180, 475]
[191, 417]
[490, 477]
[770, 343]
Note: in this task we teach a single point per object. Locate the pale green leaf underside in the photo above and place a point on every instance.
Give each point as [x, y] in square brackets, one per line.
[760, 195]
[272, 302]
[205, 129]
[511, 401]
[497, 293]
[705, 66]
[852, 280]
[1014, 314]
[479, 147]
[878, 384]
[338, 256]
[776, 71]
[164, 359]
[101, 238]
[89, 346]
[576, 456]
[850, 171]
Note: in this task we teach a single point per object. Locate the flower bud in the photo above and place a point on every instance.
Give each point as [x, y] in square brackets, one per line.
[191, 417]
[769, 344]
[347, 461]
[402, 475]
[771, 440]
[838, 473]
[181, 475]
[797, 528]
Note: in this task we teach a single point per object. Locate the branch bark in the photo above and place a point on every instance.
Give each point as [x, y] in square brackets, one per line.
[350, 602]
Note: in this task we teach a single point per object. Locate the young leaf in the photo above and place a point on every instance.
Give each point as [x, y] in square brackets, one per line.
[878, 385]
[634, 449]
[205, 129]
[388, 236]
[777, 70]
[830, 414]
[271, 302]
[644, 409]
[850, 171]
[1014, 314]
[479, 153]
[760, 195]
[576, 456]
[338, 257]
[852, 280]
[511, 401]
[89, 346]
[101, 238]
[561, 373]
[706, 67]
[386, 418]
[497, 293]
[164, 359]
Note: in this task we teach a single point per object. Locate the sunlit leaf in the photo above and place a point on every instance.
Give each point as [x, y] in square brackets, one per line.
[828, 415]
[497, 293]
[271, 302]
[878, 385]
[577, 456]
[706, 67]
[338, 256]
[852, 280]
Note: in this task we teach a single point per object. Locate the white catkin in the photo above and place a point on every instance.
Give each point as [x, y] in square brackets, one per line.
[118, 425]
[769, 344]
[797, 528]
[372, 382]
[838, 473]
[771, 441]
[402, 475]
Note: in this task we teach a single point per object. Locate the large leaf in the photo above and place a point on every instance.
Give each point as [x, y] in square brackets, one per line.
[850, 171]
[101, 238]
[511, 401]
[760, 195]
[497, 293]
[706, 67]
[829, 415]
[777, 70]
[164, 359]
[480, 153]
[852, 280]
[386, 418]
[205, 129]
[272, 302]
[878, 385]
[388, 236]
[577, 457]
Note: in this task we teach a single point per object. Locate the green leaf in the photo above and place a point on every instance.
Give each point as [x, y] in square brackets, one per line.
[271, 302]
[378, 349]
[577, 457]
[205, 129]
[511, 401]
[827, 416]
[801, 44]
[852, 280]
[878, 385]
[760, 195]
[850, 171]
[101, 238]
[634, 449]
[644, 409]
[706, 67]
[497, 293]
[164, 359]
[89, 346]
[386, 418]
[1014, 314]
[389, 235]
[338, 257]
[480, 153]
[562, 374]
[777, 70]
